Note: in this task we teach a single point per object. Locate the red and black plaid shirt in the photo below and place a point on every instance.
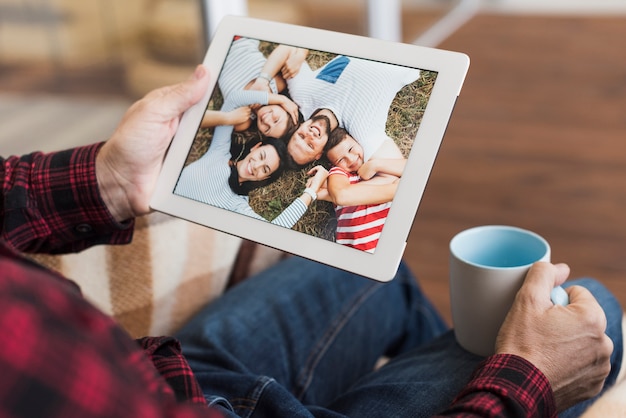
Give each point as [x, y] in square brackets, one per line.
[61, 357]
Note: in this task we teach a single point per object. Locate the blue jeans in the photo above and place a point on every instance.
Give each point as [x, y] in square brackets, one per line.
[302, 340]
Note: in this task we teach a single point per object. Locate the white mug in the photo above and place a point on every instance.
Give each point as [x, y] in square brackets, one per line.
[488, 265]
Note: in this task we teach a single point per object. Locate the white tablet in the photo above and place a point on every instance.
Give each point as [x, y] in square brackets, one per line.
[313, 142]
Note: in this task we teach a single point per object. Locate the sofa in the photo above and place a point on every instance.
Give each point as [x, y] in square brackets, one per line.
[171, 269]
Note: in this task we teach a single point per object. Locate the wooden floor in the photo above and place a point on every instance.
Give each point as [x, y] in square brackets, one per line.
[537, 140]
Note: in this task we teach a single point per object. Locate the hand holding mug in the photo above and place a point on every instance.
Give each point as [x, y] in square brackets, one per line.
[567, 343]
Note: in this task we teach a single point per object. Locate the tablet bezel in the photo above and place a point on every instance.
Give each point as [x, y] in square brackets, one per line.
[451, 68]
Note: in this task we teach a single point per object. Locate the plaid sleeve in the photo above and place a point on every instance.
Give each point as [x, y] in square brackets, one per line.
[505, 386]
[166, 355]
[61, 357]
[51, 203]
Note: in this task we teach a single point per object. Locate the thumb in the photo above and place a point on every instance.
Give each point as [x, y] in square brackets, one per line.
[175, 99]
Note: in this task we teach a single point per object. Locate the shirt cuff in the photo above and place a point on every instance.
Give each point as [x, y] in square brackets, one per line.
[75, 210]
[507, 385]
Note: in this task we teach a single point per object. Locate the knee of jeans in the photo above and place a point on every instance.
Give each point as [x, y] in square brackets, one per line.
[594, 286]
[404, 272]
[597, 289]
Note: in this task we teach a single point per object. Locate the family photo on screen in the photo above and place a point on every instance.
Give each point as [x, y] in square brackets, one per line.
[308, 140]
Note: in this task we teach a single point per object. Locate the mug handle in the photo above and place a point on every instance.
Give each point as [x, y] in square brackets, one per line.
[559, 296]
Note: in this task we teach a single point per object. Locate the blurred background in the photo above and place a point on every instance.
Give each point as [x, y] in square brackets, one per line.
[536, 141]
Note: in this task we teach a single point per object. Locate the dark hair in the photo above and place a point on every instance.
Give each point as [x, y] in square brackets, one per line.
[290, 163]
[335, 138]
[316, 111]
[246, 187]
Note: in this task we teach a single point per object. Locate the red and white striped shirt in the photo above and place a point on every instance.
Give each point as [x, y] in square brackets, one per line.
[359, 226]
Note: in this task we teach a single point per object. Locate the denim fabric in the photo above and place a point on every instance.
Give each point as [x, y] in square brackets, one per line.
[333, 70]
[302, 340]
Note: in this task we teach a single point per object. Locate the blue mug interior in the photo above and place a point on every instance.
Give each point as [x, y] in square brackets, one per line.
[499, 247]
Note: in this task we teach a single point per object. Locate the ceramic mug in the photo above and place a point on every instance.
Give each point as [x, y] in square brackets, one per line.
[488, 265]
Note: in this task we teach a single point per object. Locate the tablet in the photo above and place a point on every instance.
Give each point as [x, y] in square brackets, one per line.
[312, 142]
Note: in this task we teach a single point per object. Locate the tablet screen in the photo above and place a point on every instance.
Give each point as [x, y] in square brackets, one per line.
[357, 119]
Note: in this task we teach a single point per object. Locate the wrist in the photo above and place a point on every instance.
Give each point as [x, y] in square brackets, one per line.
[265, 76]
[374, 165]
[311, 193]
[112, 193]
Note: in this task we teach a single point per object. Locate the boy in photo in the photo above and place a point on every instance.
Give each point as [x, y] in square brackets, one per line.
[361, 192]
